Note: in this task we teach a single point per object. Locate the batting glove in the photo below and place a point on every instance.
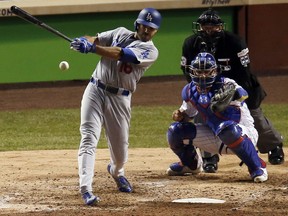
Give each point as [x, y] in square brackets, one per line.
[75, 44]
[82, 45]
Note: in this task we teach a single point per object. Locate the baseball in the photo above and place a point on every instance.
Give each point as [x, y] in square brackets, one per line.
[64, 65]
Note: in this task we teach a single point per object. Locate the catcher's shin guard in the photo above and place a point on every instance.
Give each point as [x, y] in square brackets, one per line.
[188, 156]
[180, 137]
[245, 150]
[242, 146]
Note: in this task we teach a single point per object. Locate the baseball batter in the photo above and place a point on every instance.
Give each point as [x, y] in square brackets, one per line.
[106, 102]
[228, 126]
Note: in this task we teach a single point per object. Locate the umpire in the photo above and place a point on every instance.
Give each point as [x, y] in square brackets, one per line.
[232, 55]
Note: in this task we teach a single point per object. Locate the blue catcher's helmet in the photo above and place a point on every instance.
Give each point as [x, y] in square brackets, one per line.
[203, 71]
[149, 17]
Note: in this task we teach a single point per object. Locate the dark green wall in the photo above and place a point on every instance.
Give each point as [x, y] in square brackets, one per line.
[31, 54]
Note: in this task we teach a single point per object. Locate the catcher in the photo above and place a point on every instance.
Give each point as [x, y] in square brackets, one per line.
[228, 127]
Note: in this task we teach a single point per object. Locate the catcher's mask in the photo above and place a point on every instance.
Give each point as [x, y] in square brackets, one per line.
[209, 25]
[148, 17]
[203, 71]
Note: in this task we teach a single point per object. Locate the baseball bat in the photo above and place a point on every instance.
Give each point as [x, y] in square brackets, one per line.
[28, 17]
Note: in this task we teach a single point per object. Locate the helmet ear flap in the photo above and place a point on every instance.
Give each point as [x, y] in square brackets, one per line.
[136, 26]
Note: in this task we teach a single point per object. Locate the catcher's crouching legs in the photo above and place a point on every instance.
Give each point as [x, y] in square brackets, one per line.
[242, 146]
[210, 161]
[180, 138]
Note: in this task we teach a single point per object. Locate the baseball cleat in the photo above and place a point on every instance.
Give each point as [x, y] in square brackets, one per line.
[276, 156]
[261, 174]
[90, 199]
[177, 169]
[210, 165]
[122, 183]
[210, 168]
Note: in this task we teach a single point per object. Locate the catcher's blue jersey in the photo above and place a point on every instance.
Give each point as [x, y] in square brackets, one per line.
[194, 102]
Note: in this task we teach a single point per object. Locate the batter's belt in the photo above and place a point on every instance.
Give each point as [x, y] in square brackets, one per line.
[111, 89]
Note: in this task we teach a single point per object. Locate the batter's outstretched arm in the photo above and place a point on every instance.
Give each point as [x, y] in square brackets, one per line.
[91, 44]
[117, 53]
[108, 52]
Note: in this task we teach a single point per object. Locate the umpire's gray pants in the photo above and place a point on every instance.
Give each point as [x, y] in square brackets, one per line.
[269, 137]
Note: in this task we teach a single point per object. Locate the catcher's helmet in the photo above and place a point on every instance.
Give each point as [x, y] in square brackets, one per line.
[149, 17]
[203, 70]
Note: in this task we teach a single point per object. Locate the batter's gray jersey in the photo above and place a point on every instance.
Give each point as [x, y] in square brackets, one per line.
[122, 74]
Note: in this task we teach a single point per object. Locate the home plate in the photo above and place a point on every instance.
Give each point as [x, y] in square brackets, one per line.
[198, 200]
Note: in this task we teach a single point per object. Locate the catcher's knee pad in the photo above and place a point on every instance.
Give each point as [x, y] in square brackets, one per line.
[229, 132]
[180, 137]
[180, 134]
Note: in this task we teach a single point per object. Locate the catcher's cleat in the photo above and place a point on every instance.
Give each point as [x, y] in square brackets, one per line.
[210, 165]
[276, 156]
[260, 175]
[122, 183]
[90, 199]
[177, 169]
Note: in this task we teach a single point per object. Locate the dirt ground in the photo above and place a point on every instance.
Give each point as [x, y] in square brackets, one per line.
[46, 182]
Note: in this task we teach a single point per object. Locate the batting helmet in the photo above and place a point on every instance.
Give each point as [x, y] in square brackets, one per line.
[148, 17]
[203, 70]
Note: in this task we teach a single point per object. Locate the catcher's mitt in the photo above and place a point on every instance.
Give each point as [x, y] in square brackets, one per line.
[223, 97]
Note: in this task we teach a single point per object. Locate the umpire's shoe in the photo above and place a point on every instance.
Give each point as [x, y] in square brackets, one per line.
[210, 165]
[276, 156]
[122, 183]
[90, 199]
[177, 169]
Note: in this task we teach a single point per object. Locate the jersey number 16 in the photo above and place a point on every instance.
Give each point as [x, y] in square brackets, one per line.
[126, 68]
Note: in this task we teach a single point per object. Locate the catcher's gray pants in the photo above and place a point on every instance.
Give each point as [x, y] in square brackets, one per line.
[198, 119]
